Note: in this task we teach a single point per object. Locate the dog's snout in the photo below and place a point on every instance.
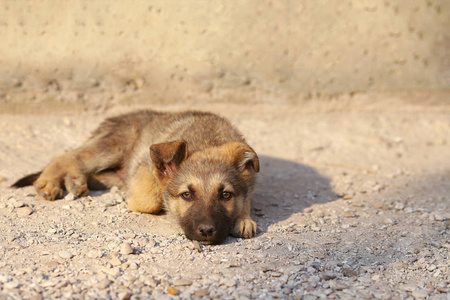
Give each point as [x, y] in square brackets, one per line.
[206, 230]
[208, 226]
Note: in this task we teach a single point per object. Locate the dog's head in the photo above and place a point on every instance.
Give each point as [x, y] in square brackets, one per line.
[206, 190]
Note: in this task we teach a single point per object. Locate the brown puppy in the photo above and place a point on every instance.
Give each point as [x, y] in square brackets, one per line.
[195, 165]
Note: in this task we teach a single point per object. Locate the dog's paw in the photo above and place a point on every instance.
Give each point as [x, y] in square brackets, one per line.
[244, 228]
[48, 190]
[77, 185]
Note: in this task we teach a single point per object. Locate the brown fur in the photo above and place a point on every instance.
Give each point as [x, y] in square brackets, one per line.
[195, 165]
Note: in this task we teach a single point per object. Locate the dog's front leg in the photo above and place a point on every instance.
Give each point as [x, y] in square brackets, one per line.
[145, 192]
[244, 226]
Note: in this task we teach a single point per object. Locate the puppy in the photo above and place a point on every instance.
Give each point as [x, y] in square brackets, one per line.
[195, 165]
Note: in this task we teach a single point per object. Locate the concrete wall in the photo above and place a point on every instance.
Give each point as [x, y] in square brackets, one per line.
[107, 51]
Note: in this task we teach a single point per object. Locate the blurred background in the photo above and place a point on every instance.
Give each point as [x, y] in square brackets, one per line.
[81, 55]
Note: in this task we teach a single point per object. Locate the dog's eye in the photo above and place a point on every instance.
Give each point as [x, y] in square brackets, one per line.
[227, 195]
[188, 196]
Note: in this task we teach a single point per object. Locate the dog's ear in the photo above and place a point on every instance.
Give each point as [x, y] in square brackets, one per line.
[243, 156]
[167, 157]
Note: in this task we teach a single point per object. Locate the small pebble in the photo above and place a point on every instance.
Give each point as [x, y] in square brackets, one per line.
[349, 214]
[49, 283]
[195, 245]
[14, 284]
[255, 247]
[115, 261]
[347, 272]
[16, 203]
[24, 211]
[439, 217]
[317, 255]
[431, 267]
[381, 206]
[109, 203]
[126, 249]
[337, 285]
[399, 206]
[201, 292]
[227, 282]
[129, 235]
[409, 210]
[319, 214]
[114, 272]
[51, 264]
[420, 294]
[399, 265]
[182, 282]
[407, 287]
[328, 275]
[365, 280]
[172, 290]
[68, 122]
[156, 250]
[126, 295]
[103, 284]
[69, 197]
[118, 198]
[94, 254]
[314, 279]
[389, 221]
[65, 254]
[133, 266]
[36, 297]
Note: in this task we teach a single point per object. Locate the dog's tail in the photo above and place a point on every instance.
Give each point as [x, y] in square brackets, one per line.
[26, 180]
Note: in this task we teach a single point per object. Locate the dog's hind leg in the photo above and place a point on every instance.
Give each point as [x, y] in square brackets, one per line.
[108, 148]
[71, 170]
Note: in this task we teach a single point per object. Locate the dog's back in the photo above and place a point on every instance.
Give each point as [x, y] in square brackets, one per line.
[200, 130]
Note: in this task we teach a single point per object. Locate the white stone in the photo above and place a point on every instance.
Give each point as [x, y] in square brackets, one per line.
[65, 254]
[126, 249]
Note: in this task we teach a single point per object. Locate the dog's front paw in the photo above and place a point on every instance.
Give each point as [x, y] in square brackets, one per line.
[48, 190]
[244, 228]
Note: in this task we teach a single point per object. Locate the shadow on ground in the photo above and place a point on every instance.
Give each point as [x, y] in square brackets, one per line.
[285, 188]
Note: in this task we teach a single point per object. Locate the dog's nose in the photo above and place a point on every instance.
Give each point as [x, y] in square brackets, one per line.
[206, 230]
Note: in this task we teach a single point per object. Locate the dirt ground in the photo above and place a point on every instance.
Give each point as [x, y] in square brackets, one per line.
[353, 202]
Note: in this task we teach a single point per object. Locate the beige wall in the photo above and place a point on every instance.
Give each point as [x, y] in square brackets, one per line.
[231, 50]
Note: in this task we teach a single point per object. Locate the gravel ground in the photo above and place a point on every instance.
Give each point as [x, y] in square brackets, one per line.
[353, 203]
